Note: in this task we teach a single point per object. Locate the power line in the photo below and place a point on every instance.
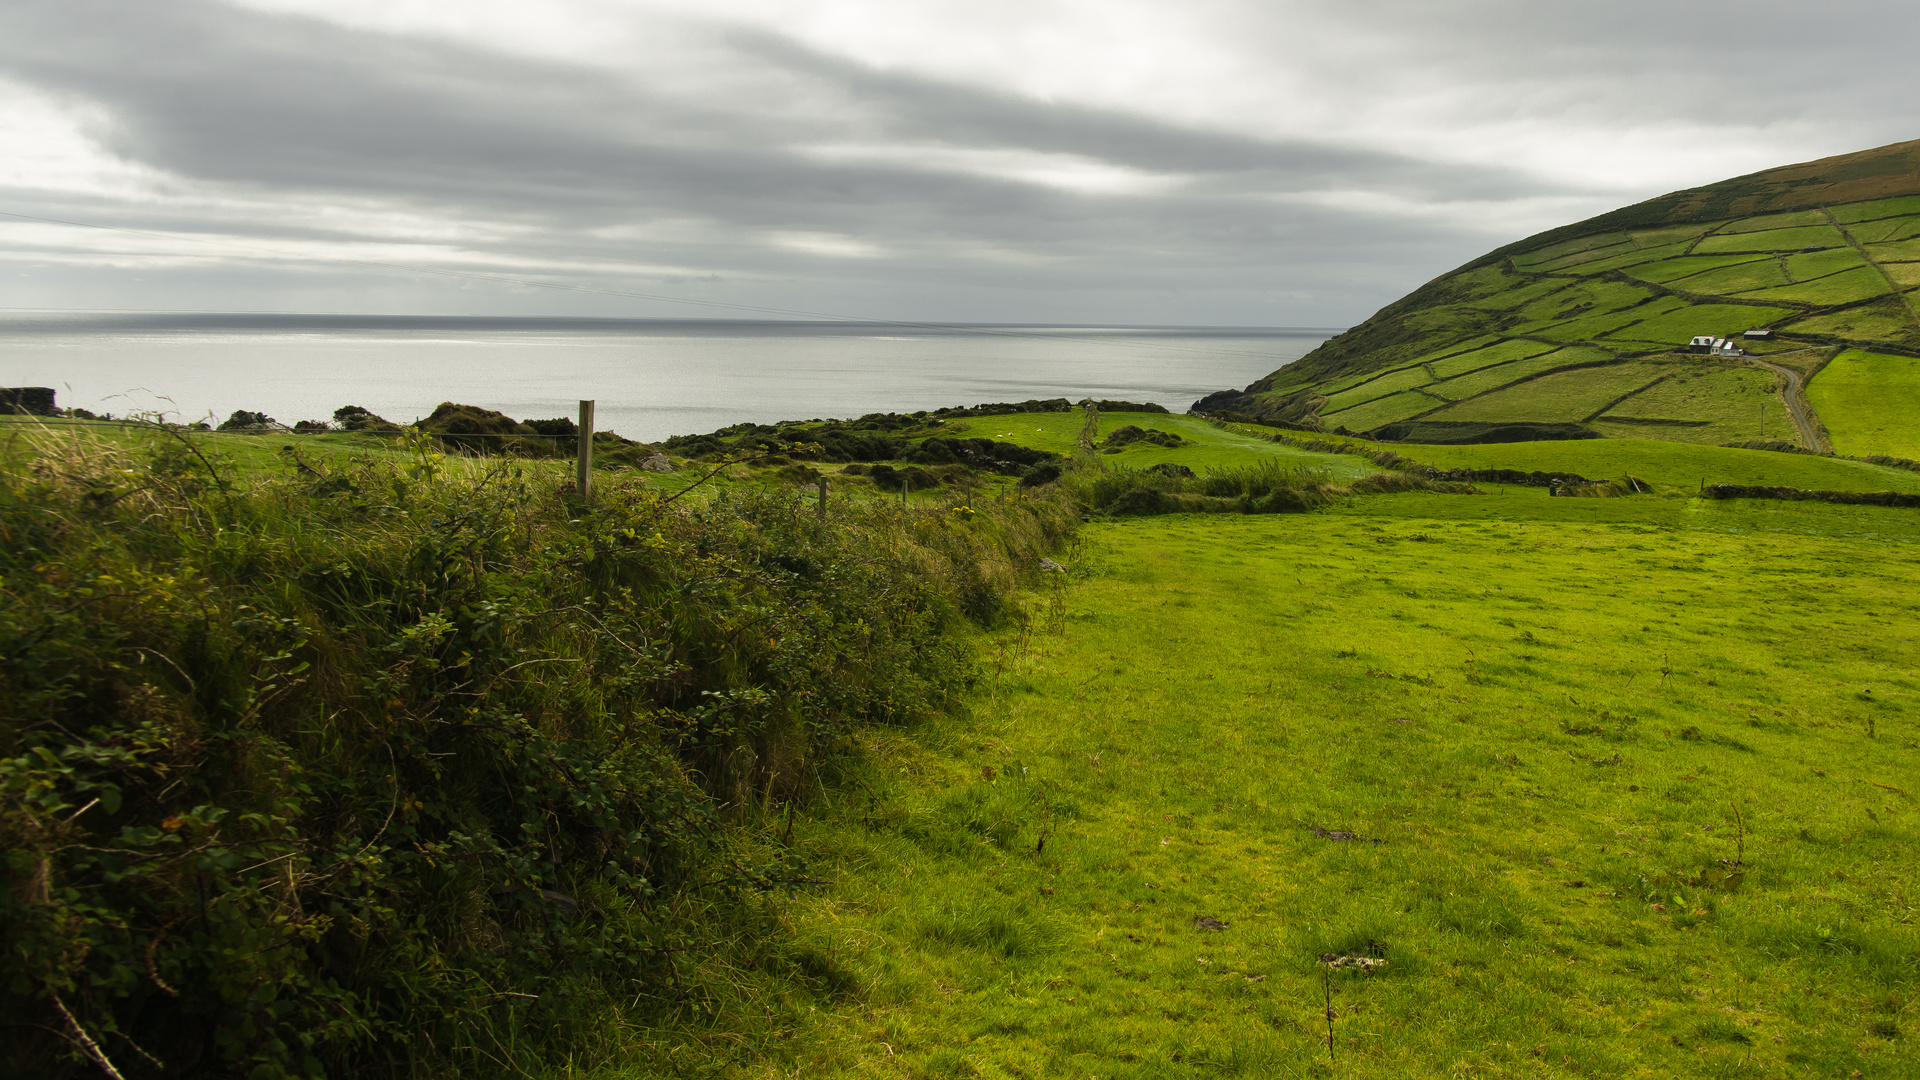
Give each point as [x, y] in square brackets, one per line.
[951, 328]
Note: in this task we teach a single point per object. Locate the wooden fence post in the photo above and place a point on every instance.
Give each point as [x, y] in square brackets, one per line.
[823, 498]
[583, 476]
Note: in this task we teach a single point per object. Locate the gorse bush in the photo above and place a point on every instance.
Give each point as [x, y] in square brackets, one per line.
[421, 768]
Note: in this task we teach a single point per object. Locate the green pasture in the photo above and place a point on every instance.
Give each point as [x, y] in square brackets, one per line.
[1905, 275]
[1808, 265]
[1720, 403]
[1596, 297]
[1765, 222]
[1384, 411]
[1772, 240]
[1877, 209]
[1676, 464]
[1209, 446]
[1898, 251]
[1875, 232]
[1844, 287]
[1740, 277]
[1504, 352]
[1440, 357]
[1623, 260]
[1613, 787]
[1570, 247]
[1580, 261]
[1670, 270]
[1668, 235]
[1870, 403]
[1606, 324]
[1390, 383]
[1519, 292]
[1888, 320]
[1566, 396]
[1679, 326]
[1485, 379]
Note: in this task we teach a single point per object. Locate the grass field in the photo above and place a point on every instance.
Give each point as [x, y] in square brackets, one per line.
[1479, 382]
[1874, 232]
[1722, 403]
[1502, 353]
[1870, 403]
[1740, 277]
[1679, 465]
[1772, 240]
[1568, 766]
[1878, 208]
[1209, 446]
[1671, 270]
[1384, 411]
[1720, 320]
[1391, 383]
[1635, 257]
[1898, 251]
[1887, 320]
[1567, 396]
[1570, 247]
[1796, 219]
[1842, 288]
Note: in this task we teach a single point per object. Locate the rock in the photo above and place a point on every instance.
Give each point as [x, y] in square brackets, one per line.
[657, 463]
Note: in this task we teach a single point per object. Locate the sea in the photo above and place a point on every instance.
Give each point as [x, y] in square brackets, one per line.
[650, 378]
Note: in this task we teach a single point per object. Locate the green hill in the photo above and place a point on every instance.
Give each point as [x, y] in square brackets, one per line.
[1582, 331]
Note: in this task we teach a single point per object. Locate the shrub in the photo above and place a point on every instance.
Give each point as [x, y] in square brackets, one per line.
[1046, 472]
[395, 768]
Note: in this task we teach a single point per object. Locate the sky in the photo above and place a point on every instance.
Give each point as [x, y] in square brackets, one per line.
[1199, 162]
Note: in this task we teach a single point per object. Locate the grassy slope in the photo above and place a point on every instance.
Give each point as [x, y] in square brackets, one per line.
[1547, 711]
[1211, 446]
[1736, 253]
[1870, 402]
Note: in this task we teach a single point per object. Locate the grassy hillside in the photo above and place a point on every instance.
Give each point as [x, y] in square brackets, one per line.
[1585, 325]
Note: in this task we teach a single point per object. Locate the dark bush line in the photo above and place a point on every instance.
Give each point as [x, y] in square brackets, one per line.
[1268, 487]
[390, 769]
[1047, 405]
[1850, 498]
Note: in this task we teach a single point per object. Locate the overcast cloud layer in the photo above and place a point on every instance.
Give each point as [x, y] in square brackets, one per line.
[1191, 162]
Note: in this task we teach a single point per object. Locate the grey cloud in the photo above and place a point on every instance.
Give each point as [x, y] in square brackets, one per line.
[253, 104]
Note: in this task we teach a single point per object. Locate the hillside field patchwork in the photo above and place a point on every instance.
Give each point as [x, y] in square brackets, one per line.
[1792, 266]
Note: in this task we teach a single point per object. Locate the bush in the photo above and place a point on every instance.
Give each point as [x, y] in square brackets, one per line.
[391, 768]
[1046, 472]
[242, 420]
[1266, 487]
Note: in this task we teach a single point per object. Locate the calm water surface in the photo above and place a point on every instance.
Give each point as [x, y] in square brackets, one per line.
[651, 378]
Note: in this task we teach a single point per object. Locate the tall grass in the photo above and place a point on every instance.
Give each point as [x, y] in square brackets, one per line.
[419, 765]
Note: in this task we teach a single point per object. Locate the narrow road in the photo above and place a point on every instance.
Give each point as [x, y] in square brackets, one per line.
[1797, 406]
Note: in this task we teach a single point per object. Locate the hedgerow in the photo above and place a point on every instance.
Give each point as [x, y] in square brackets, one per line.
[422, 767]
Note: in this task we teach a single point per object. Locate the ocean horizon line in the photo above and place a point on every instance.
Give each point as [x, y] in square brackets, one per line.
[171, 318]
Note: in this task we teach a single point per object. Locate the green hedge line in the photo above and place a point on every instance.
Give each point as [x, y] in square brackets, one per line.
[424, 768]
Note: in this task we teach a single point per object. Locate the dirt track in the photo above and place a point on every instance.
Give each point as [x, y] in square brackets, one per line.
[1797, 406]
